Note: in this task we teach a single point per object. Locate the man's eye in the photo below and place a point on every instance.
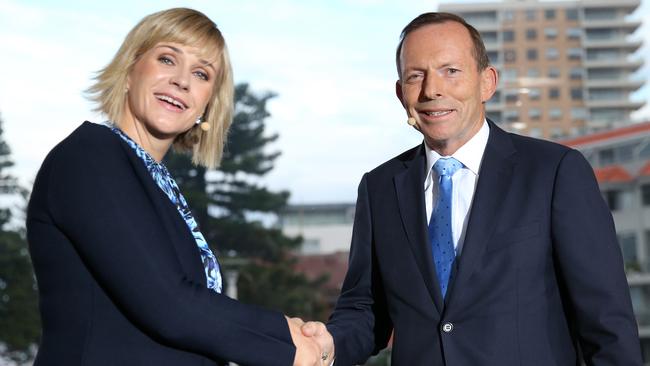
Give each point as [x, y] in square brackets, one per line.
[452, 71]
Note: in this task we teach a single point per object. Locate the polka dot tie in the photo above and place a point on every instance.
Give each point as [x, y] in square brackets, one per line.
[442, 242]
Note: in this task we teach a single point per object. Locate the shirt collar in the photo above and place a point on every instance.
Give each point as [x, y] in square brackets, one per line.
[470, 154]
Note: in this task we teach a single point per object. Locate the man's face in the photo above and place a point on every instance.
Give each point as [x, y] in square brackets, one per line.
[441, 87]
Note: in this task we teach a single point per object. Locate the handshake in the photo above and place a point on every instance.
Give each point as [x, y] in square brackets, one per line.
[314, 344]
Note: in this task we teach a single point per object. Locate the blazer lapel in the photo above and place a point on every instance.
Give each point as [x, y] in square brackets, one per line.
[492, 187]
[409, 186]
[172, 222]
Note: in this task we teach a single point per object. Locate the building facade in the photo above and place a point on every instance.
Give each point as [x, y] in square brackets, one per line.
[566, 67]
[621, 162]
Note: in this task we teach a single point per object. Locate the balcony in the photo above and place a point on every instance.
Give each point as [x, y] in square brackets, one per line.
[618, 62]
[630, 85]
[619, 43]
[620, 104]
[616, 23]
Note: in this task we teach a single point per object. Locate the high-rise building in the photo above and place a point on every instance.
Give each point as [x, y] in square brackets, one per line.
[565, 67]
[621, 162]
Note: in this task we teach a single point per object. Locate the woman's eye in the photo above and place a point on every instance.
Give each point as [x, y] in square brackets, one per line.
[165, 60]
[202, 75]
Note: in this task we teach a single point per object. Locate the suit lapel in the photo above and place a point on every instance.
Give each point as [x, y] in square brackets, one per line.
[409, 186]
[492, 187]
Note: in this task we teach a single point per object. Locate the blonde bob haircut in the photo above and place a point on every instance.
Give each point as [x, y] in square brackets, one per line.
[188, 27]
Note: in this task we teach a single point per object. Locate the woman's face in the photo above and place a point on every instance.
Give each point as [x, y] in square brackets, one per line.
[168, 89]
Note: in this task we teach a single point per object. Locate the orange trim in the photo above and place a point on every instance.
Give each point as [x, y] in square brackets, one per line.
[612, 174]
[605, 135]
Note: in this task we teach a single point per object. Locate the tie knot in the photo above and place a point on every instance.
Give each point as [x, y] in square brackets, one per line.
[447, 166]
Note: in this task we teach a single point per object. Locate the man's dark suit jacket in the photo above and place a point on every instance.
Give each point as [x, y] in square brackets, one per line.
[540, 275]
[120, 276]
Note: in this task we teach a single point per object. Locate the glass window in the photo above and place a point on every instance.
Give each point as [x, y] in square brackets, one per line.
[531, 34]
[552, 53]
[531, 54]
[557, 132]
[493, 56]
[606, 156]
[531, 14]
[555, 113]
[533, 72]
[509, 74]
[508, 15]
[628, 246]
[534, 93]
[571, 14]
[579, 113]
[535, 132]
[553, 72]
[512, 96]
[573, 33]
[575, 73]
[576, 93]
[550, 32]
[534, 113]
[511, 116]
[613, 199]
[553, 93]
[549, 13]
[574, 53]
[508, 36]
[509, 55]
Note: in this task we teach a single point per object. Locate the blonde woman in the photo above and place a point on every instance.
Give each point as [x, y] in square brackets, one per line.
[125, 276]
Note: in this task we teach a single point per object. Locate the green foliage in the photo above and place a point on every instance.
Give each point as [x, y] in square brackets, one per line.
[19, 318]
[224, 203]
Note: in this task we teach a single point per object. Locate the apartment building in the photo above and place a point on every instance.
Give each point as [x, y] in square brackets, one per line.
[566, 67]
[621, 162]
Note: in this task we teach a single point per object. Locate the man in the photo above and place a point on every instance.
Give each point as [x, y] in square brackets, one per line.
[478, 247]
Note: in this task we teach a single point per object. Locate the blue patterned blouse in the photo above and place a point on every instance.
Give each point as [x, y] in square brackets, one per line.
[161, 176]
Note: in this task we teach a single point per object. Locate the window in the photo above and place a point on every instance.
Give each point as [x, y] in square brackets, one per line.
[553, 72]
[534, 113]
[552, 53]
[579, 113]
[574, 53]
[576, 93]
[553, 93]
[508, 15]
[557, 132]
[531, 14]
[509, 74]
[628, 246]
[512, 96]
[508, 36]
[511, 116]
[606, 156]
[555, 113]
[535, 132]
[645, 198]
[531, 34]
[509, 56]
[575, 73]
[573, 33]
[549, 13]
[571, 14]
[534, 93]
[531, 54]
[533, 72]
[493, 56]
[550, 33]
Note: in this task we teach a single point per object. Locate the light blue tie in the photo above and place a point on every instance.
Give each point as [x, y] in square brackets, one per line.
[442, 241]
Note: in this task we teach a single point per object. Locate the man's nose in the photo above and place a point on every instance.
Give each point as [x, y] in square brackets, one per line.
[433, 85]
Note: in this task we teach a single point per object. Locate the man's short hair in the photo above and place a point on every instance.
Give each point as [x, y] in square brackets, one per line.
[479, 52]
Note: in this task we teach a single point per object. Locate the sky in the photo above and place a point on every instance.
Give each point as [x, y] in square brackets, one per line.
[330, 62]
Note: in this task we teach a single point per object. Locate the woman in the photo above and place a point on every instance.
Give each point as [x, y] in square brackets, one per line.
[125, 276]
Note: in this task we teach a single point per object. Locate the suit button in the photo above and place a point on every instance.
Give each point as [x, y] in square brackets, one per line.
[447, 327]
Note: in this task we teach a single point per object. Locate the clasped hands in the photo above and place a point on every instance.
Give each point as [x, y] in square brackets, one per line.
[314, 344]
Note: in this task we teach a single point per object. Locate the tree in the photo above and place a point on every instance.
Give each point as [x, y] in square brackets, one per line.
[19, 318]
[227, 203]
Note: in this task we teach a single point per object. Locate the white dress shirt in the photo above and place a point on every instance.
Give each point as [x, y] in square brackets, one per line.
[463, 181]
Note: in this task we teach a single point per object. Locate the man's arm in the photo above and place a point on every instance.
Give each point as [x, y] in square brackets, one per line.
[591, 267]
[360, 324]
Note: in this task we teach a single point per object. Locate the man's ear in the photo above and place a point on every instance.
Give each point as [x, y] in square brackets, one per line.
[489, 80]
[398, 92]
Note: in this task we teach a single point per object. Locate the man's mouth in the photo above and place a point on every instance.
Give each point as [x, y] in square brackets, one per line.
[437, 113]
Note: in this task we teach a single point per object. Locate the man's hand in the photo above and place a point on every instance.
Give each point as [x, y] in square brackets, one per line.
[318, 332]
[308, 352]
